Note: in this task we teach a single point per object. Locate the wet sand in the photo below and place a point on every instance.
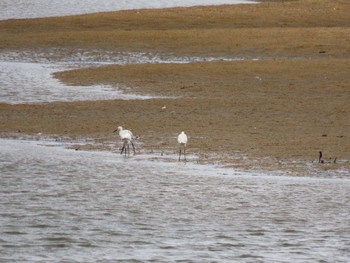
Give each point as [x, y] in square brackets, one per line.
[273, 113]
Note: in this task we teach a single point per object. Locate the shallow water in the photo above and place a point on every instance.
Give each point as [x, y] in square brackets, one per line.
[59, 205]
[26, 76]
[75, 206]
[43, 8]
[23, 82]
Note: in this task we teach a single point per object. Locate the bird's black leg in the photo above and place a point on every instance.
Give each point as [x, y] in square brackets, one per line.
[320, 157]
[180, 155]
[133, 147]
[121, 152]
[185, 153]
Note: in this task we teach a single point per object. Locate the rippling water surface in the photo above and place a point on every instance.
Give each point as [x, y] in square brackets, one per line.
[60, 205]
[75, 206]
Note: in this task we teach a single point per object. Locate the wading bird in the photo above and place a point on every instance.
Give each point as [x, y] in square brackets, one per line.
[320, 160]
[126, 136]
[182, 141]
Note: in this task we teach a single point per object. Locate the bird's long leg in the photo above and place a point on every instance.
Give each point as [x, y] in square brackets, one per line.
[121, 152]
[128, 149]
[125, 146]
[180, 154]
[133, 147]
[185, 153]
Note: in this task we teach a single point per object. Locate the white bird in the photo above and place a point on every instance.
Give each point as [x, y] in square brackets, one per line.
[182, 141]
[126, 136]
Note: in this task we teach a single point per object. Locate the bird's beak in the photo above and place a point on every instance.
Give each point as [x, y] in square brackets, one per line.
[115, 130]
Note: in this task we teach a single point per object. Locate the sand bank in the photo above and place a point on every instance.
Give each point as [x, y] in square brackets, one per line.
[275, 110]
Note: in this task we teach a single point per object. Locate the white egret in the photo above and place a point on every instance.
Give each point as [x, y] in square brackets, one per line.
[126, 136]
[182, 141]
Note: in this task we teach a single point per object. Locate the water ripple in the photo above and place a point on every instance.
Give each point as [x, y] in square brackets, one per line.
[87, 207]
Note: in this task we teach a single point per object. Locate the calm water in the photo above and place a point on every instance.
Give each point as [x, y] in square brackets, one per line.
[26, 82]
[45, 8]
[73, 206]
[26, 76]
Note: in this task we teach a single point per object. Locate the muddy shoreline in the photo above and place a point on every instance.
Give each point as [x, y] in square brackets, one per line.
[273, 113]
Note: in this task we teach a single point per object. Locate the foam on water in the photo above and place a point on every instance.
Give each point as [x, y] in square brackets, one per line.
[84, 57]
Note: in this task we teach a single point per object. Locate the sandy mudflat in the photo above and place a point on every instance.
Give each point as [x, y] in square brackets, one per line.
[275, 110]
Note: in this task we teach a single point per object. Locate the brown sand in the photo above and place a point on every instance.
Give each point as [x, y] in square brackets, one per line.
[273, 114]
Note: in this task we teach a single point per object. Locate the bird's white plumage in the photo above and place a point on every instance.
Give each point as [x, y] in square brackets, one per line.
[182, 138]
[127, 138]
[124, 134]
